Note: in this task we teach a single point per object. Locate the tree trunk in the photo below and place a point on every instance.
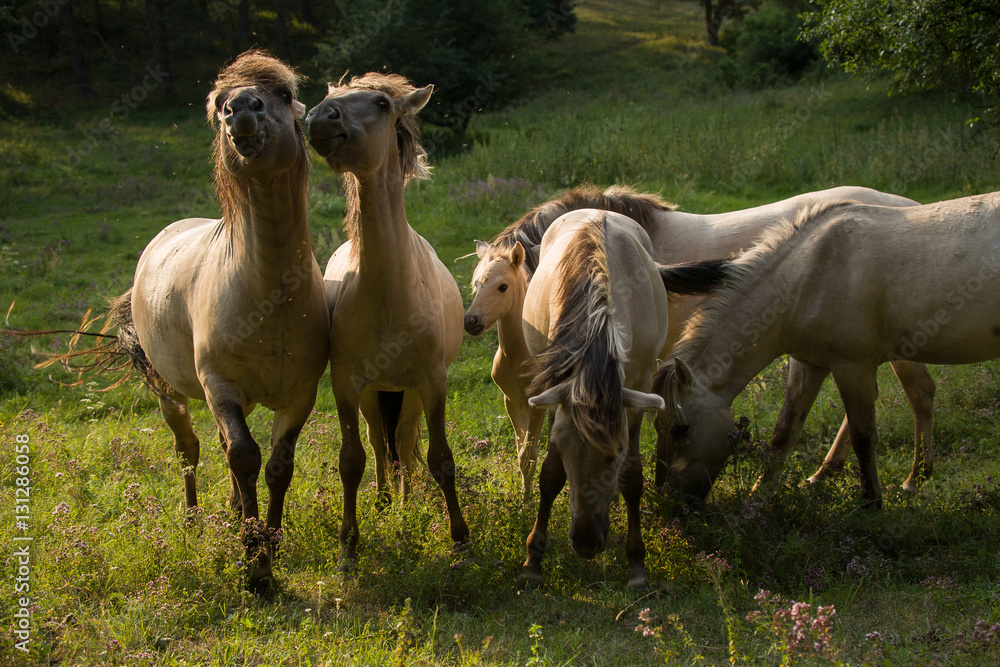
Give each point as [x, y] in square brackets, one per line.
[156, 16]
[713, 19]
[282, 29]
[243, 37]
[80, 74]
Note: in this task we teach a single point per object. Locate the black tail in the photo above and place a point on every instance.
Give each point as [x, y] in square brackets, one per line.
[390, 404]
[119, 353]
[694, 277]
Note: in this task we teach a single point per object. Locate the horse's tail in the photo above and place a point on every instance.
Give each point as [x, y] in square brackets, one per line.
[120, 353]
[390, 404]
[694, 277]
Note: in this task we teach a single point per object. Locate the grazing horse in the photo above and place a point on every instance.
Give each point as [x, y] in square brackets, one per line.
[506, 264]
[233, 311]
[595, 317]
[396, 310]
[844, 289]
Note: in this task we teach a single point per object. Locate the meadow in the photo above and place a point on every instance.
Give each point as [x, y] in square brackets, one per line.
[805, 576]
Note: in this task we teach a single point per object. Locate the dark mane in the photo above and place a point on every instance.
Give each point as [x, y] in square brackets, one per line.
[586, 347]
[253, 68]
[412, 155]
[641, 207]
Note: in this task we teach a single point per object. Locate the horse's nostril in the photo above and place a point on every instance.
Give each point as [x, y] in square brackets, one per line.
[255, 104]
[333, 113]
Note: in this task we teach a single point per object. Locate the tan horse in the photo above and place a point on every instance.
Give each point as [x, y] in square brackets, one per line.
[232, 311]
[843, 290]
[506, 265]
[595, 317]
[396, 310]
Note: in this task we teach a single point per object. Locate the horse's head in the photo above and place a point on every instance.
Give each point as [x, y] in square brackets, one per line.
[593, 462]
[254, 107]
[499, 285]
[695, 428]
[370, 125]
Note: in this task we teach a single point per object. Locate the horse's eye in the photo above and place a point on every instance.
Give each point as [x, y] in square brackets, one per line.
[680, 430]
[383, 105]
[286, 98]
[503, 287]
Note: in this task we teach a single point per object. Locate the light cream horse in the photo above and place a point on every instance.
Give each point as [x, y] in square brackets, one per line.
[506, 265]
[233, 311]
[396, 310]
[845, 289]
[595, 317]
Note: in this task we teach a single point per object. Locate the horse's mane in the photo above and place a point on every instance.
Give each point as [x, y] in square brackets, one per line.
[743, 275]
[412, 155]
[641, 207]
[253, 68]
[586, 345]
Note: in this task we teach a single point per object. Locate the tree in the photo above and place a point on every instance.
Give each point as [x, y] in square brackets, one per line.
[951, 46]
[466, 49]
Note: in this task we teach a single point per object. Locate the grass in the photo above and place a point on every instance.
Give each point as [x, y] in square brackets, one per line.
[117, 578]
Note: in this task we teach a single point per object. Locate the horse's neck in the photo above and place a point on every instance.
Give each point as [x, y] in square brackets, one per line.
[510, 330]
[383, 233]
[272, 234]
[741, 343]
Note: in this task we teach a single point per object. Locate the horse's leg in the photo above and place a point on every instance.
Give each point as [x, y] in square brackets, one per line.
[521, 418]
[278, 471]
[352, 469]
[235, 504]
[919, 387]
[243, 455]
[630, 484]
[372, 414]
[859, 388]
[837, 456]
[528, 454]
[177, 414]
[551, 480]
[440, 461]
[407, 436]
[804, 382]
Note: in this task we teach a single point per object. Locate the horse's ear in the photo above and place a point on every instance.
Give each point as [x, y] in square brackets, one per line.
[551, 396]
[684, 374]
[298, 109]
[517, 255]
[415, 101]
[638, 400]
[481, 248]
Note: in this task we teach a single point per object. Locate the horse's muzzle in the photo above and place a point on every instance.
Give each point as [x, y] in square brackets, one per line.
[474, 324]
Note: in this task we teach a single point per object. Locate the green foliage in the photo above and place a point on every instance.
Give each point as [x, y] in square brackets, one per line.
[551, 18]
[764, 48]
[465, 49]
[950, 46]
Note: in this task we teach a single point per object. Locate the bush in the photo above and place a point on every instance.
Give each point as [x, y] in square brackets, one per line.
[764, 47]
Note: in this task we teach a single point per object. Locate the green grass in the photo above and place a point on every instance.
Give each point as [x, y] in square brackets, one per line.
[117, 578]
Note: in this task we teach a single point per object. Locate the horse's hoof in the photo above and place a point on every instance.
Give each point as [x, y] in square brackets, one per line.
[638, 579]
[528, 584]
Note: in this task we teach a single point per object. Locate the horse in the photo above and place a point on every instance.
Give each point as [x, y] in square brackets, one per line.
[507, 262]
[842, 290]
[594, 319]
[396, 311]
[233, 311]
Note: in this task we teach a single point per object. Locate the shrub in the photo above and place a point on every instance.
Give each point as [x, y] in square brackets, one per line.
[764, 47]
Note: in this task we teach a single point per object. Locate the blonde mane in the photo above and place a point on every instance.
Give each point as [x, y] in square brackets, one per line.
[253, 68]
[586, 346]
